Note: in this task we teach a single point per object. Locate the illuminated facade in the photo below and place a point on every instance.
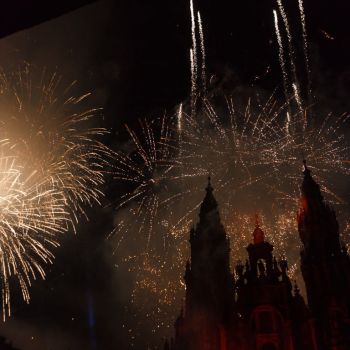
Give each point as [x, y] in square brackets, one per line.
[260, 308]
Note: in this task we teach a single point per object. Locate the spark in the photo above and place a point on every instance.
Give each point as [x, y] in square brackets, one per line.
[327, 35]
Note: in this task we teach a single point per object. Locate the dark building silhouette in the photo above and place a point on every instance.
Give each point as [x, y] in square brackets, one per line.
[260, 308]
[325, 266]
[6, 345]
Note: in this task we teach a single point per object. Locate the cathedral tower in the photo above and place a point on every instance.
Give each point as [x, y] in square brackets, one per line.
[209, 283]
[325, 266]
[272, 316]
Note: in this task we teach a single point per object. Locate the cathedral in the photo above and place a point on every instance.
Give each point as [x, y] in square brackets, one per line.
[258, 307]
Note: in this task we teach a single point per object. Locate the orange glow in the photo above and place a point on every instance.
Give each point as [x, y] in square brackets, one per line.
[223, 339]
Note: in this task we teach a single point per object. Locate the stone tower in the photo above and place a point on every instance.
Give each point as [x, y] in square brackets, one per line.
[209, 283]
[325, 266]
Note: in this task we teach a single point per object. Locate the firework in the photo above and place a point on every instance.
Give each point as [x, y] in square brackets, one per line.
[52, 135]
[32, 216]
[52, 166]
[155, 176]
[259, 144]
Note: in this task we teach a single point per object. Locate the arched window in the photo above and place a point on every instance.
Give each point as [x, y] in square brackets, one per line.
[265, 322]
[266, 319]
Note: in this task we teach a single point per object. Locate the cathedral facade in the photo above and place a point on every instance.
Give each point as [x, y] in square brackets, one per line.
[258, 307]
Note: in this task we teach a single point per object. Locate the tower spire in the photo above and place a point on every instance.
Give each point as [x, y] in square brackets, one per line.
[306, 170]
[310, 190]
[209, 206]
[258, 234]
[257, 223]
[209, 186]
[209, 282]
[322, 264]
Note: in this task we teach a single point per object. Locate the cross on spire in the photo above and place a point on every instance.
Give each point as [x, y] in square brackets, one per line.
[209, 206]
[306, 170]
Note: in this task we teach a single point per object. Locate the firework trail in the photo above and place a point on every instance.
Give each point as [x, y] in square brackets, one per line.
[179, 118]
[295, 83]
[194, 64]
[201, 36]
[305, 46]
[281, 56]
[196, 92]
[301, 116]
[51, 166]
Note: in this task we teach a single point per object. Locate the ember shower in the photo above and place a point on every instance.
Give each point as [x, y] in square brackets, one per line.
[252, 146]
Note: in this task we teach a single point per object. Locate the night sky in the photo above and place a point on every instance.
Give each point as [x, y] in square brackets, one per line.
[134, 57]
